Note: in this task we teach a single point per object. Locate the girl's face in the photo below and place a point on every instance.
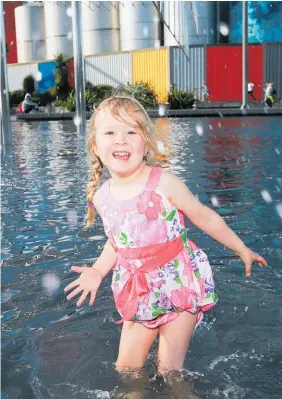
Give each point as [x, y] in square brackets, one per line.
[120, 147]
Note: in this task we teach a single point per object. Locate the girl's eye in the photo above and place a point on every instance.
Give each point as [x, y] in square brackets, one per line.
[109, 133]
[131, 132]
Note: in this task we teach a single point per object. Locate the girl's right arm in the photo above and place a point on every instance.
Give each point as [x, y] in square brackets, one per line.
[91, 277]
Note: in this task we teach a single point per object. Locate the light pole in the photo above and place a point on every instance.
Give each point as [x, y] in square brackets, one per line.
[6, 134]
[80, 120]
[245, 66]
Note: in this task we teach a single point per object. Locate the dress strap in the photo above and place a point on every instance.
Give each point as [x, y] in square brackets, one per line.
[154, 179]
[104, 190]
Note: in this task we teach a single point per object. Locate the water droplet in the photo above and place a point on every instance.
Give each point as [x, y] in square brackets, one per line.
[278, 208]
[246, 308]
[72, 218]
[210, 126]
[162, 109]
[50, 283]
[224, 29]
[12, 42]
[69, 12]
[77, 120]
[157, 44]
[277, 151]
[38, 76]
[57, 230]
[69, 35]
[266, 196]
[160, 146]
[214, 200]
[145, 31]
[199, 129]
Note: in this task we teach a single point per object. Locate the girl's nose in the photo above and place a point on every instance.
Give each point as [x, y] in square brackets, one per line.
[120, 138]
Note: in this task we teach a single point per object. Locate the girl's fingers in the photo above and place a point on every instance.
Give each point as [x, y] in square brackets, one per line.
[261, 261]
[92, 298]
[77, 269]
[248, 269]
[71, 285]
[74, 293]
[82, 298]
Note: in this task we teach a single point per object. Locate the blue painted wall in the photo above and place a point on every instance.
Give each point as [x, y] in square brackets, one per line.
[264, 25]
[48, 79]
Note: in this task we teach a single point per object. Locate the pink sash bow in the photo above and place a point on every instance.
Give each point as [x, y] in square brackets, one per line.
[155, 256]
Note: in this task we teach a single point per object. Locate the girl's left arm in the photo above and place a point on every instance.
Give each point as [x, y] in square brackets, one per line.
[207, 220]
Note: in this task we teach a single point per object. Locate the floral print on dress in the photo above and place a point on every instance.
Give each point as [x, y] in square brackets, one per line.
[183, 284]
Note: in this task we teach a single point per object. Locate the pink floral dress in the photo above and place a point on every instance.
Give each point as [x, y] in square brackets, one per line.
[159, 272]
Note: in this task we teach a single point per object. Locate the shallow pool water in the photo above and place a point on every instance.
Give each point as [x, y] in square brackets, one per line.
[51, 350]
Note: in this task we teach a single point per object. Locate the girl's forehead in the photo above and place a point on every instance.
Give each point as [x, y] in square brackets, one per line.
[105, 118]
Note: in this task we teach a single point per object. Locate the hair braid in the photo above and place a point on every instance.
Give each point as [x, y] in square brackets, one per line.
[95, 176]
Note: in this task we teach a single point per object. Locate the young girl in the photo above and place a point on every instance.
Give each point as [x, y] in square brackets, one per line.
[162, 282]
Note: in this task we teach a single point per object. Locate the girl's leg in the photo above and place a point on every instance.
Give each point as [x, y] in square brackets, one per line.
[135, 343]
[174, 339]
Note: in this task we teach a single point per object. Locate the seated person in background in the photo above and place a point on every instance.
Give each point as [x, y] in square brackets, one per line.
[28, 105]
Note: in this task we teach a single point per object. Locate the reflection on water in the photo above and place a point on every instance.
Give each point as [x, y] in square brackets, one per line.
[52, 350]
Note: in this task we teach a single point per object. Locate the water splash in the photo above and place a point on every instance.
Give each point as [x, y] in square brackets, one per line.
[50, 283]
[72, 218]
[214, 201]
[278, 208]
[161, 147]
[266, 196]
[199, 130]
[38, 76]
[77, 120]
[69, 12]
[224, 29]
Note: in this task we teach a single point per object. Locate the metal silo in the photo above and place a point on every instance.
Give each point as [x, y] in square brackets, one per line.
[175, 15]
[189, 22]
[30, 32]
[202, 22]
[139, 25]
[100, 26]
[58, 28]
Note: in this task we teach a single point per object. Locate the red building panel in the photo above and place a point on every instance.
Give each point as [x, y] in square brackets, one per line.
[224, 72]
[10, 30]
[71, 79]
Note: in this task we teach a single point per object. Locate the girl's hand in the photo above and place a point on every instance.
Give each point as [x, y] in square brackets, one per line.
[88, 282]
[249, 257]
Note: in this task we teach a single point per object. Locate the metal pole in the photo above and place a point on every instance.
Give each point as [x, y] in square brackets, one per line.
[245, 54]
[6, 134]
[78, 67]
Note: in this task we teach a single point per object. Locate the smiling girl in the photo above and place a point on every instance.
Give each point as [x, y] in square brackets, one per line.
[162, 282]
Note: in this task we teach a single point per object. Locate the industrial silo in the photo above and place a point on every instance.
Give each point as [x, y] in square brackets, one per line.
[139, 25]
[58, 28]
[30, 32]
[189, 22]
[100, 26]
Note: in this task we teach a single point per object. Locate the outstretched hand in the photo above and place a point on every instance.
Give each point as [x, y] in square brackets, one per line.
[88, 282]
[249, 257]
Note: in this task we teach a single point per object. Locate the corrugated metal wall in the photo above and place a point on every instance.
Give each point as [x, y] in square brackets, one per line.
[273, 66]
[71, 78]
[111, 69]
[224, 72]
[10, 30]
[17, 73]
[187, 74]
[152, 66]
[47, 79]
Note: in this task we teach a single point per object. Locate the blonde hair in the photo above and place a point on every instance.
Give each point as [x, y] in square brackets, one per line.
[136, 112]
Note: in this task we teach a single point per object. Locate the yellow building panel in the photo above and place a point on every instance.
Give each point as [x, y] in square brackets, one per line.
[151, 66]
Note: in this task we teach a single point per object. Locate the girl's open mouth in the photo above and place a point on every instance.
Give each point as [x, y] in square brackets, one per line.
[123, 155]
